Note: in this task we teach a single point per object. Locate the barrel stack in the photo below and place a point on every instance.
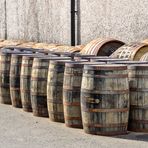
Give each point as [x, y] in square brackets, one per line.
[101, 87]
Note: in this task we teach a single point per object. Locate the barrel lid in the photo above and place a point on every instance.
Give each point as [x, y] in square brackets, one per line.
[105, 67]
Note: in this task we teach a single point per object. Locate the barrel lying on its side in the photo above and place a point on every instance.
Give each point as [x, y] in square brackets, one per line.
[105, 99]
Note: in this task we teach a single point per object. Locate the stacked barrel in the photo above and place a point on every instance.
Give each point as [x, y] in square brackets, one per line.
[101, 87]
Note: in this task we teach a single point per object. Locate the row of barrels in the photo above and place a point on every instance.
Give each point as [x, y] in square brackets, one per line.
[99, 47]
[102, 95]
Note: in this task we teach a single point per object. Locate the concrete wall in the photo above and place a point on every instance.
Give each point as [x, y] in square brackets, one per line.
[123, 19]
[2, 19]
[38, 20]
[49, 20]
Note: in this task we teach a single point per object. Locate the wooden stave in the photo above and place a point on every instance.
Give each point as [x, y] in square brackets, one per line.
[89, 128]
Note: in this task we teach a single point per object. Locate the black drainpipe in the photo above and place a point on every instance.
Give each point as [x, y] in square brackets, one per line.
[73, 26]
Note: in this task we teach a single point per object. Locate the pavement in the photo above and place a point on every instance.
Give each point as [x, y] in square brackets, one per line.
[19, 129]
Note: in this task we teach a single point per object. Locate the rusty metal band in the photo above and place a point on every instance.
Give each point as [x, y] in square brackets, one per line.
[72, 118]
[139, 107]
[107, 76]
[112, 125]
[71, 103]
[14, 89]
[139, 89]
[105, 91]
[5, 72]
[5, 62]
[27, 65]
[114, 133]
[38, 94]
[25, 90]
[134, 121]
[138, 76]
[16, 65]
[104, 110]
[74, 125]
[38, 79]
[72, 88]
[12, 75]
[55, 84]
[138, 67]
[73, 75]
[55, 101]
[56, 113]
[40, 67]
[106, 68]
[5, 85]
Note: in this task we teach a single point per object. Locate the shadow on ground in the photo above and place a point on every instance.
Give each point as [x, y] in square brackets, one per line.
[135, 136]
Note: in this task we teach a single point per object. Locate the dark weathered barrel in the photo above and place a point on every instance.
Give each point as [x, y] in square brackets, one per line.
[25, 81]
[71, 93]
[105, 99]
[55, 90]
[138, 119]
[15, 71]
[5, 60]
[39, 85]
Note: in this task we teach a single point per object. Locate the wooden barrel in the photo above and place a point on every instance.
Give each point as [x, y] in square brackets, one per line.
[55, 90]
[105, 99]
[102, 47]
[71, 93]
[25, 81]
[138, 119]
[5, 59]
[133, 51]
[15, 71]
[39, 85]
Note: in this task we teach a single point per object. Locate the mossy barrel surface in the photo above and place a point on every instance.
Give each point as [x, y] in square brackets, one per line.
[105, 99]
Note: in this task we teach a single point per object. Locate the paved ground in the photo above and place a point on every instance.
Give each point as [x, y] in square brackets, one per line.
[19, 129]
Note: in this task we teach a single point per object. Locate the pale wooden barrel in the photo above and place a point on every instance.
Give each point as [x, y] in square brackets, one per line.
[102, 47]
[105, 99]
[133, 51]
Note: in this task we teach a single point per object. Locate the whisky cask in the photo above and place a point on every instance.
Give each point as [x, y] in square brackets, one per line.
[105, 99]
